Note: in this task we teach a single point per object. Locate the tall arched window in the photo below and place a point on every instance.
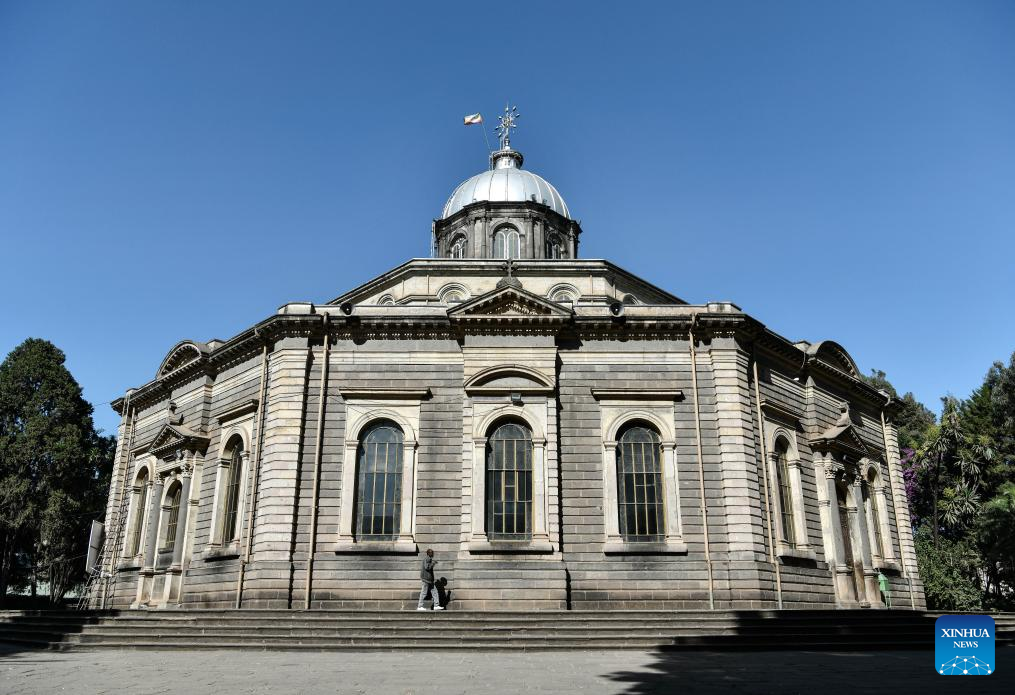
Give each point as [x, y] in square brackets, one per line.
[506, 243]
[785, 492]
[140, 511]
[458, 247]
[379, 498]
[230, 509]
[640, 485]
[169, 540]
[873, 517]
[509, 483]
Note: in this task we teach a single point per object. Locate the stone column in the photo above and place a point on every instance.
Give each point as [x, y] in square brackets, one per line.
[405, 527]
[155, 500]
[479, 489]
[611, 507]
[838, 546]
[539, 532]
[348, 499]
[671, 488]
[869, 579]
[182, 519]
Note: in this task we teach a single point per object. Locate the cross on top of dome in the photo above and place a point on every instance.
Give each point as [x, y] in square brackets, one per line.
[507, 122]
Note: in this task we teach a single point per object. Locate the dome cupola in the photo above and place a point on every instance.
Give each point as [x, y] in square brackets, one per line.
[506, 211]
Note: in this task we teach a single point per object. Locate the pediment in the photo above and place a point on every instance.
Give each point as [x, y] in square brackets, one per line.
[509, 378]
[509, 302]
[173, 437]
[181, 355]
[843, 437]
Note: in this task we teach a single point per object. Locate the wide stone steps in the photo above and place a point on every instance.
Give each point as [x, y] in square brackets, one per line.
[389, 630]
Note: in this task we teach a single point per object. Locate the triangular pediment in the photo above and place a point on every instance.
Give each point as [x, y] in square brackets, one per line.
[172, 437]
[509, 302]
[842, 436]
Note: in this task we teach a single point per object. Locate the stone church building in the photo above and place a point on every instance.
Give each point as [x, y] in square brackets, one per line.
[560, 432]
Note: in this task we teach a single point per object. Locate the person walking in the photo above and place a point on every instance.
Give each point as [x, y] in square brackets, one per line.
[426, 575]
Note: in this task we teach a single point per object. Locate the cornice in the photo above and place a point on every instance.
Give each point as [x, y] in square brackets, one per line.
[629, 394]
[380, 393]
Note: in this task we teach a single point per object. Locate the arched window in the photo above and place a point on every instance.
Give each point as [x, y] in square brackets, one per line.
[140, 511]
[785, 492]
[640, 485]
[458, 247]
[509, 483]
[379, 498]
[555, 247]
[169, 540]
[873, 516]
[506, 243]
[234, 476]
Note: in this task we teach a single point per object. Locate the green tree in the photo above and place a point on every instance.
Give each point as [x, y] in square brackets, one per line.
[913, 418]
[949, 572]
[996, 538]
[54, 470]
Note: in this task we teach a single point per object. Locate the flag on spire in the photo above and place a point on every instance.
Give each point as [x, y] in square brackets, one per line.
[473, 119]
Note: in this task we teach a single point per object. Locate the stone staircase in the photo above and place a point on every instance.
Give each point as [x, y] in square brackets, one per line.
[545, 630]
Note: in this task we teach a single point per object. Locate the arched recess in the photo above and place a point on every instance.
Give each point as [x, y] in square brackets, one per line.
[355, 430]
[617, 422]
[621, 420]
[368, 415]
[182, 354]
[138, 515]
[230, 487]
[506, 242]
[453, 293]
[563, 292]
[876, 511]
[483, 426]
[506, 378]
[834, 355]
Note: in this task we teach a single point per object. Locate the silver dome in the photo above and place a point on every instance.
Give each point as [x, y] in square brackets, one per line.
[505, 182]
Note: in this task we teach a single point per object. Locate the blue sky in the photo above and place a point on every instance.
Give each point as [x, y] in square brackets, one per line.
[180, 169]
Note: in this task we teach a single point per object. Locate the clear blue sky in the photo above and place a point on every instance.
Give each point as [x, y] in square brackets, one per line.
[180, 169]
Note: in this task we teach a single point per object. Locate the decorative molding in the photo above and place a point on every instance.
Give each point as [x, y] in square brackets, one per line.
[635, 394]
[665, 548]
[368, 392]
[400, 547]
[781, 412]
[240, 410]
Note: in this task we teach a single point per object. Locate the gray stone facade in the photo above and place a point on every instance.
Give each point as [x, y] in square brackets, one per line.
[777, 466]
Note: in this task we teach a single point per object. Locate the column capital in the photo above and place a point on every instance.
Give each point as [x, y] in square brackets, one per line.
[188, 470]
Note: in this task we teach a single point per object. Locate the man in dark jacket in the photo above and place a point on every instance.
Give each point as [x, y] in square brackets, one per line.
[426, 575]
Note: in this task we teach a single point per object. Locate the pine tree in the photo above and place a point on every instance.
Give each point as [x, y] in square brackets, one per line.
[54, 470]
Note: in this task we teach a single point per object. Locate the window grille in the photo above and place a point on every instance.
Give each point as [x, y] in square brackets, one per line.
[506, 244]
[174, 516]
[509, 483]
[139, 515]
[785, 494]
[875, 518]
[235, 475]
[379, 499]
[640, 485]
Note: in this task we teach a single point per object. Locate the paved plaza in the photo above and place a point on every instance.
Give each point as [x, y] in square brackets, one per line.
[450, 672]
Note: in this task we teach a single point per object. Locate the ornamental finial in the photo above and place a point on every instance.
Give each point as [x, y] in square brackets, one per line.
[507, 122]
